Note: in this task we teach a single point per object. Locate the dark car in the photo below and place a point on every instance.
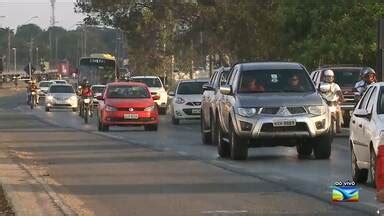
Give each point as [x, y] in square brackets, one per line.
[208, 105]
[267, 104]
[345, 77]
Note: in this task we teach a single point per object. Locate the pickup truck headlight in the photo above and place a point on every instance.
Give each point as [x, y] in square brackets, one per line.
[317, 110]
[247, 112]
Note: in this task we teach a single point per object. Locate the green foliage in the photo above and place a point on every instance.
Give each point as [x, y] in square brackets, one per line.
[311, 32]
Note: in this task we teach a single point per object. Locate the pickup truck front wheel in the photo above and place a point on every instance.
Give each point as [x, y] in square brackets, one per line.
[239, 146]
[322, 146]
[223, 148]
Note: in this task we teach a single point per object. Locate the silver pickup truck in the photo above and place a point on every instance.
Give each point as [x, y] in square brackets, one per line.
[265, 104]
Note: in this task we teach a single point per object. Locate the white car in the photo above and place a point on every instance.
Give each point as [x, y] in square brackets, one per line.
[367, 133]
[61, 96]
[186, 103]
[97, 90]
[43, 87]
[59, 81]
[156, 87]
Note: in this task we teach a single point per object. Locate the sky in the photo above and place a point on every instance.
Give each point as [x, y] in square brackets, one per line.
[18, 12]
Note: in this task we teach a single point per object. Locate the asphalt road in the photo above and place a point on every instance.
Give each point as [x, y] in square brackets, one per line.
[128, 171]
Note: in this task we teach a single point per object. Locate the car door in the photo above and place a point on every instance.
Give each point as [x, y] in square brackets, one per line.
[229, 100]
[206, 100]
[223, 100]
[368, 125]
[356, 126]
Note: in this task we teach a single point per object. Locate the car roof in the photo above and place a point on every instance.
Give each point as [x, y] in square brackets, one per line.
[194, 80]
[98, 86]
[126, 84]
[58, 80]
[270, 65]
[151, 77]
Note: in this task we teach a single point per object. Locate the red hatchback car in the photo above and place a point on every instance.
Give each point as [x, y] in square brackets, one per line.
[127, 104]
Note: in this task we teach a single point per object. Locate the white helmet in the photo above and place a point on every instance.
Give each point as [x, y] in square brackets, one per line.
[329, 73]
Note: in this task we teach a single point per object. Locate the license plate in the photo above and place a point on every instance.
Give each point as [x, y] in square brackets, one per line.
[131, 116]
[284, 123]
[196, 111]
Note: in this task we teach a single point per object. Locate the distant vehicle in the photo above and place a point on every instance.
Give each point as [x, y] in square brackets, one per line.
[61, 96]
[127, 104]
[345, 77]
[59, 82]
[187, 100]
[266, 104]
[367, 133]
[156, 87]
[209, 103]
[43, 87]
[97, 90]
[98, 69]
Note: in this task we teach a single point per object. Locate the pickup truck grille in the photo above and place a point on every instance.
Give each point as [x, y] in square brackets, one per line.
[275, 110]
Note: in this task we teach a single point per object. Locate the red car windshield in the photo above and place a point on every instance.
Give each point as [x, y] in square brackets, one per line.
[127, 92]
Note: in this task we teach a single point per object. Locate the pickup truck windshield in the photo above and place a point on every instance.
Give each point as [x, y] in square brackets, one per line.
[275, 80]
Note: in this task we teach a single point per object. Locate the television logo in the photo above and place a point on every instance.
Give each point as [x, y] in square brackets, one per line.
[345, 192]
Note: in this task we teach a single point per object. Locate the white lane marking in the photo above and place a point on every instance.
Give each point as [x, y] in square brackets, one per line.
[224, 212]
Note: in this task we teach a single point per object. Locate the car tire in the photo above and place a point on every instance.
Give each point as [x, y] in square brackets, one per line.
[239, 146]
[304, 149]
[205, 137]
[322, 146]
[223, 148]
[213, 131]
[152, 127]
[46, 109]
[175, 121]
[358, 175]
[372, 166]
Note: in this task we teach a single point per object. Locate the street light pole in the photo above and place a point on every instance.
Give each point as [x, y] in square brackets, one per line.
[14, 59]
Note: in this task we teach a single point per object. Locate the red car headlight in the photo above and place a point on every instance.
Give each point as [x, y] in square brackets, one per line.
[150, 108]
[110, 108]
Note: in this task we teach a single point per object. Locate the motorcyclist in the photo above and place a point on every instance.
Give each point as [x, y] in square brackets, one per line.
[85, 92]
[32, 87]
[368, 78]
[331, 92]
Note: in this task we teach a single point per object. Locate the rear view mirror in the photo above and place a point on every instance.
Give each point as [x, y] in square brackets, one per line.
[171, 93]
[156, 97]
[99, 97]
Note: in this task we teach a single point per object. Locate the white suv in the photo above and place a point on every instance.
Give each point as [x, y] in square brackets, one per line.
[156, 87]
[186, 103]
[367, 133]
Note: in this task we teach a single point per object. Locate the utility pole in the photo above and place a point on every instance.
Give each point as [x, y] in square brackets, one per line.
[57, 50]
[37, 56]
[9, 50]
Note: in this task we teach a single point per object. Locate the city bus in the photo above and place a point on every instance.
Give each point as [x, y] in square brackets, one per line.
[98, 69]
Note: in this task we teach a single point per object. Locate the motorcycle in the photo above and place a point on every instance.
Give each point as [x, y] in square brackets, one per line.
[87, 110]
[332, 101]
[33, 99]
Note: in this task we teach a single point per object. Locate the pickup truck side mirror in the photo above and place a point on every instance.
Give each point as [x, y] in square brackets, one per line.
[226, 89]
